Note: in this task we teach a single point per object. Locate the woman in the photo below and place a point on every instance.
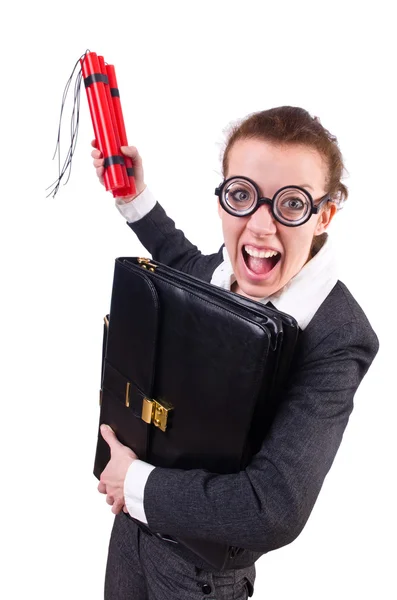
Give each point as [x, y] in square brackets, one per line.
[282, 187]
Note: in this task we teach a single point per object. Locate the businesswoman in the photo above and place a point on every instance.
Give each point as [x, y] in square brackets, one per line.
[281, 189]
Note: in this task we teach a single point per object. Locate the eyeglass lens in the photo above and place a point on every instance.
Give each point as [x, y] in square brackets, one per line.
[290, 205]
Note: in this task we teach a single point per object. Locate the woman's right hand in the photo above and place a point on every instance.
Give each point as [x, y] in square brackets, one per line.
[133, 153]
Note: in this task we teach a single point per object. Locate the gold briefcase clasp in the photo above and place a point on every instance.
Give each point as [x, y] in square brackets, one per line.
[146, 264]
[156, 413]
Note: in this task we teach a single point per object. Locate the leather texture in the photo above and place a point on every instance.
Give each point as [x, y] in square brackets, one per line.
[175, 338]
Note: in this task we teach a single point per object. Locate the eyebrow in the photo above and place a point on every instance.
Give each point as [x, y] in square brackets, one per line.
[302, 185]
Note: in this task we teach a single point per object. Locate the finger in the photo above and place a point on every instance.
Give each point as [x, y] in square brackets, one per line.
[96, 154]
[110, 500]
[131, 151]
[98, 162]
[109, 436]
[94, 143]
[100, 171]
[117, 506]
[101, 487]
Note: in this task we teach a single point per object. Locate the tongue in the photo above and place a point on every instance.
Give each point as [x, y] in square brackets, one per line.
[260, 266]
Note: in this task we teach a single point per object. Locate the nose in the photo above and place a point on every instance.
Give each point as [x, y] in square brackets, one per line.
[262, 222]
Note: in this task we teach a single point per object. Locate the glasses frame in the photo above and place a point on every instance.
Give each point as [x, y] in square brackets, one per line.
[314, 208]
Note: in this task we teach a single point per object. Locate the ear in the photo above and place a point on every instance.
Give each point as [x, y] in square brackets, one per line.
[325, 218]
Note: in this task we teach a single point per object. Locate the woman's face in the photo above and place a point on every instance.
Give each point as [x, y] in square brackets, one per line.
[272, 167]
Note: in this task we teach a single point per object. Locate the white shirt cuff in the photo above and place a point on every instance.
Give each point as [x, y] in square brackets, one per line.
[134, 487]
[139, 207]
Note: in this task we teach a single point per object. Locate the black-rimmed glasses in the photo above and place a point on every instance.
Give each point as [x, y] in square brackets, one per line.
[291, 205]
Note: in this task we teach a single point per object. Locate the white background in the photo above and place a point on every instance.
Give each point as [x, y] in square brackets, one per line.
[185, 71]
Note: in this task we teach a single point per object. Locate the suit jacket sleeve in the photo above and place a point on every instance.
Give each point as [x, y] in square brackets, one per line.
[267, 505]
[168, 245]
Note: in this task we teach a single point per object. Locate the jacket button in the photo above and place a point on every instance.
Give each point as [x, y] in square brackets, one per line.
[206, 588]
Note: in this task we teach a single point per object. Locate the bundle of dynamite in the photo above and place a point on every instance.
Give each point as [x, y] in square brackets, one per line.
[107, 119]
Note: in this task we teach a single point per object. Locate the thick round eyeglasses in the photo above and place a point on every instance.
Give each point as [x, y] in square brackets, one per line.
[291, 205]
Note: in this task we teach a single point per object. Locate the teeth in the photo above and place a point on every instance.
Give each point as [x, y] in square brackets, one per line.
[260, 253]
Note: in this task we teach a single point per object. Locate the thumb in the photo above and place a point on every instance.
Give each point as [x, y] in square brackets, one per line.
[132, 152]
[134, 155]
[109, 436]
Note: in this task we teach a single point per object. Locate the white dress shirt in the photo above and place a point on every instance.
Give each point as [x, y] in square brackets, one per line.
[300, 298]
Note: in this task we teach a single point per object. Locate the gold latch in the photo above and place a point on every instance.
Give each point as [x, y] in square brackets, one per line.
[106, 322]
[146, 264]
[156, 413]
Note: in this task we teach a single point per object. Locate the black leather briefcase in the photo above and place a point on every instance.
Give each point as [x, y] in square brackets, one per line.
[190, 373]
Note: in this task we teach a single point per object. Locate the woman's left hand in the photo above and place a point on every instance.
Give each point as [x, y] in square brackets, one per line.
[112, 478]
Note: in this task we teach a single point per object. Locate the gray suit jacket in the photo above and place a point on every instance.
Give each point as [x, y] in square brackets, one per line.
[267, 505]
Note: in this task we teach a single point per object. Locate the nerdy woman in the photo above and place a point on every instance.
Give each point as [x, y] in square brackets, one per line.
[281, 189]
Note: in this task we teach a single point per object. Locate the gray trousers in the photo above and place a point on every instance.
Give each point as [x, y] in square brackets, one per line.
[141, 566]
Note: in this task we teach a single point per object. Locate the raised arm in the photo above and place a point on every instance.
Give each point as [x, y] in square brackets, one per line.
[155, 230]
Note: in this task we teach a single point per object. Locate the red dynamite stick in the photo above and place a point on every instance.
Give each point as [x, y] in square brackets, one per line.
[102, 121]
[114, 90]
[124, 191]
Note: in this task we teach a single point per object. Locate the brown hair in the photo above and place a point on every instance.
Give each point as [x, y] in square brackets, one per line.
[293, 125]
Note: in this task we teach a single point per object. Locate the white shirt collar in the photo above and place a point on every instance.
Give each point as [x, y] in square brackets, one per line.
[303, 295]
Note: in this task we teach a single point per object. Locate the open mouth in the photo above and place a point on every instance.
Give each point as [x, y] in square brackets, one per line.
[260, 262]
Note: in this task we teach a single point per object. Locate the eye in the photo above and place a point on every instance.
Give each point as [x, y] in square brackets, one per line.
[293, 204]
[240, 196]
